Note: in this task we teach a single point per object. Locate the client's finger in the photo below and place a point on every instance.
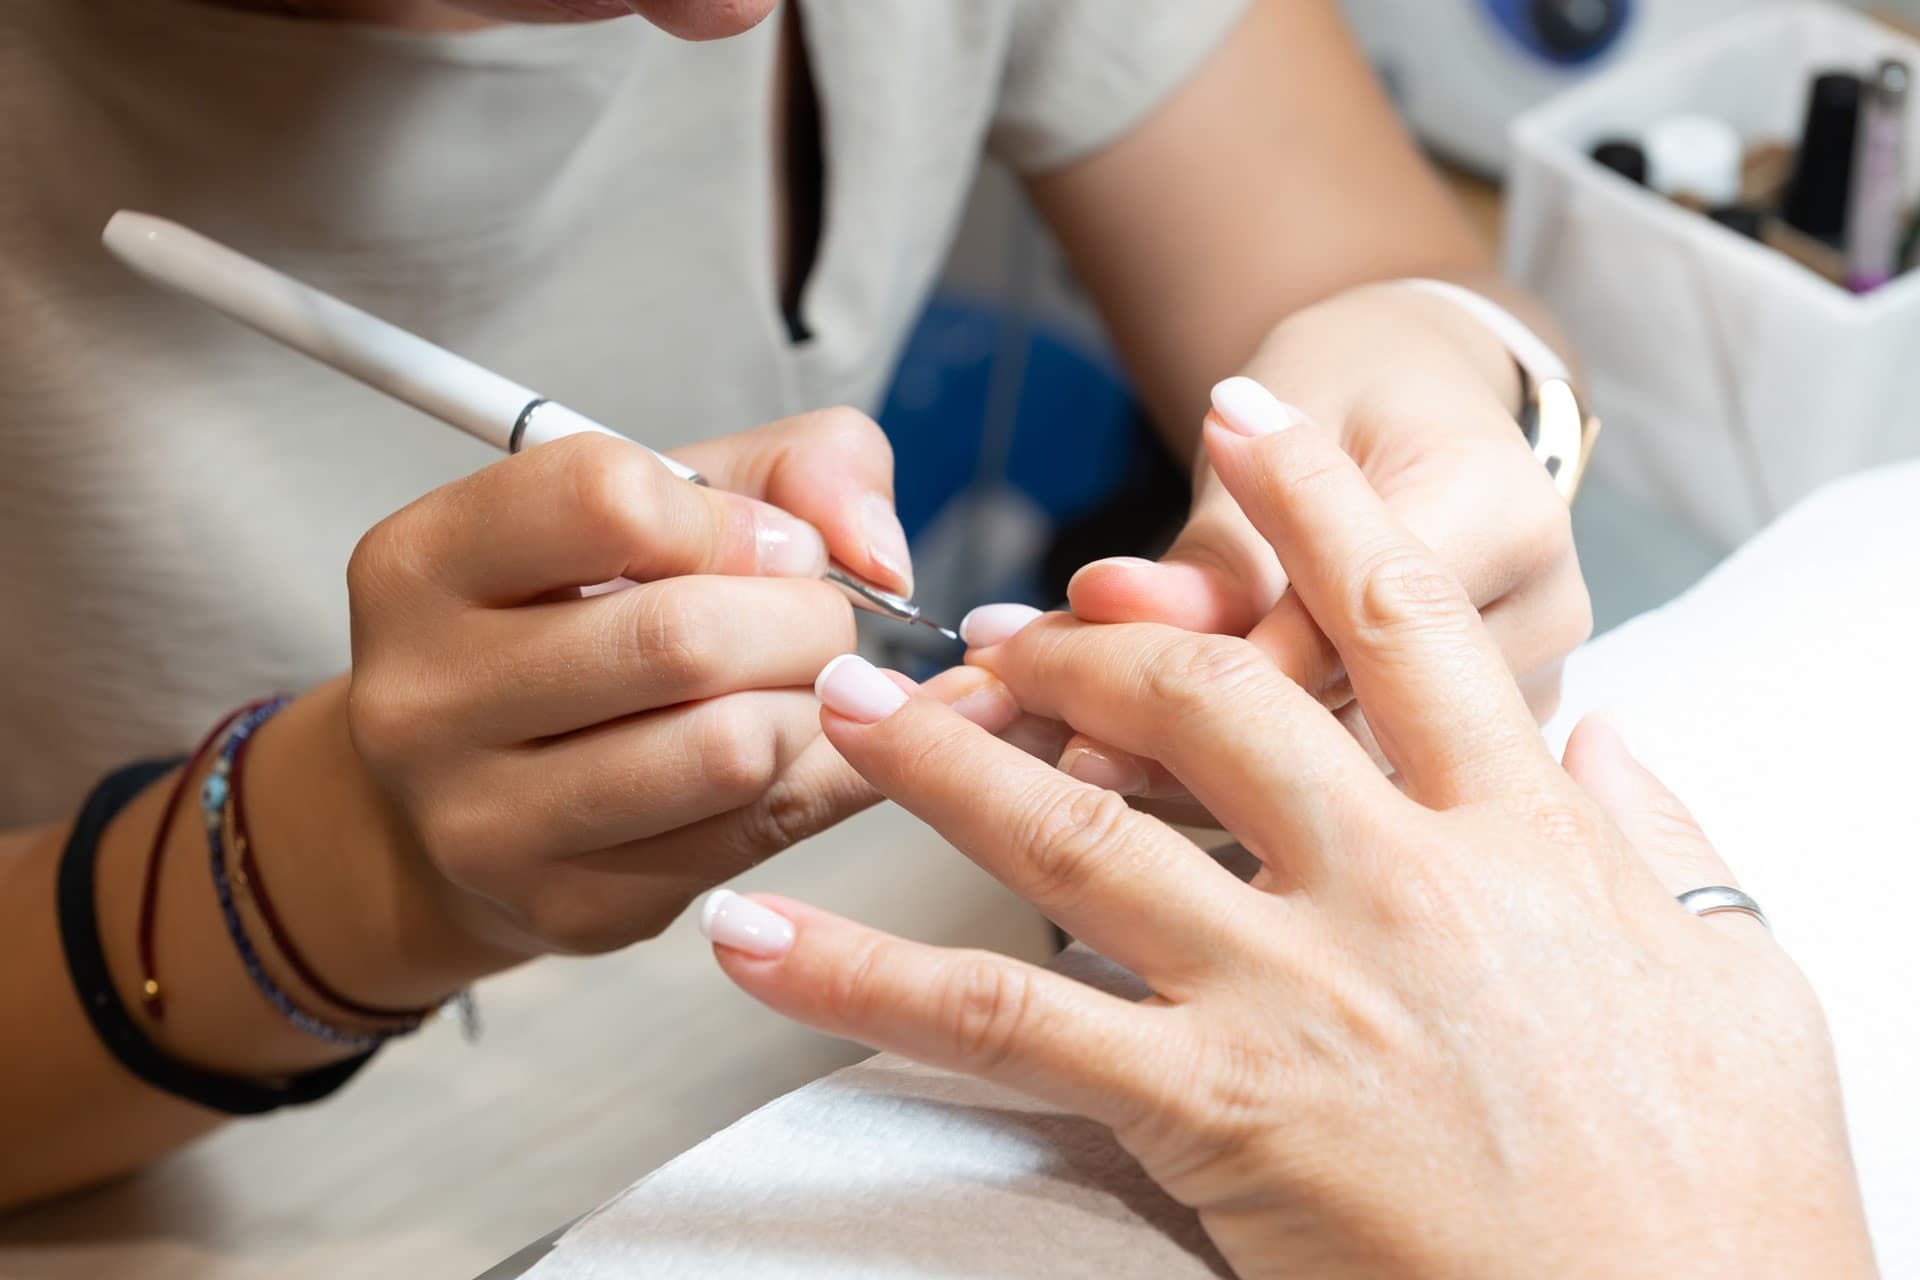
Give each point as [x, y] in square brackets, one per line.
[1434, 686]
[1653, 819]
[1266, 759]
[967, 1011]
[1219, 575]
[1130, 887]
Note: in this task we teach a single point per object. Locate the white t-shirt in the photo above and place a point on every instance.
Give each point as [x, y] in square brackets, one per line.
[588, 209]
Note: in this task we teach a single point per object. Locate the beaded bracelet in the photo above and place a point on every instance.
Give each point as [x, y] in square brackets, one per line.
[217, 812]
[94, 985]
[247, 875]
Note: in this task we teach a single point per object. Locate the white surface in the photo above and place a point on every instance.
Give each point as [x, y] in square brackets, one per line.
[1732, 380]
[1779, 698]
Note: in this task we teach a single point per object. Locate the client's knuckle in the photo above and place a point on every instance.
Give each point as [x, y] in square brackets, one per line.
[849, 994]
[1201, 673]
[1567, 823]
[986, 1007]
[1398, 590]
[1065, 834]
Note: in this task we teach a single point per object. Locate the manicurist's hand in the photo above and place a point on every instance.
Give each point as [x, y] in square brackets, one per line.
[1456, 1027]
[577, 769]
[1423, 399]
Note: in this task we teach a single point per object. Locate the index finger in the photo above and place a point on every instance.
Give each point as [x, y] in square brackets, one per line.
[588, 509]
[1435, 688]
[1129, 886]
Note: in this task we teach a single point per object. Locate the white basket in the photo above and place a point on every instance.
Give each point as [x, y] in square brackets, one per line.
[1732, 380]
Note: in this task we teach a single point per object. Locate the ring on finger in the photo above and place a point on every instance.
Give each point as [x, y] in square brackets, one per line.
[1714, 899]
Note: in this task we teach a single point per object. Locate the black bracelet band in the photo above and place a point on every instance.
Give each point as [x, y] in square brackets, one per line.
[87, 965]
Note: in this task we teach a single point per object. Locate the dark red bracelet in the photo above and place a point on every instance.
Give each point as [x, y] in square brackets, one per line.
[254, 885]
[150, 996]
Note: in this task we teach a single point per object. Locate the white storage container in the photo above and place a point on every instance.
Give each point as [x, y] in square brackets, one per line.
[1731, 379]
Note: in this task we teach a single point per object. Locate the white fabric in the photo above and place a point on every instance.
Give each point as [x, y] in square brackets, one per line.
[588, 209]
[1780, 698]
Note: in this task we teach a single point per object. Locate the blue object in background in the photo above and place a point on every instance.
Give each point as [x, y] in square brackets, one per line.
[1565, 33]
[1073, 427]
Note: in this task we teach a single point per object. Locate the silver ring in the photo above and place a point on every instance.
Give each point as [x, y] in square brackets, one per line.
[1716, 898]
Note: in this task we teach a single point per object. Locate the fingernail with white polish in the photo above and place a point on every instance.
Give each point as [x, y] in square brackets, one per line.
[1250, 409]
[886, 540]
[1123, 777]
[741, 924]
[993, 624]
[855, 688]
[788, 548]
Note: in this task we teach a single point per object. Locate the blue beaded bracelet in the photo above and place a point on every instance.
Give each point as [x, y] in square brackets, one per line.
[214, 796]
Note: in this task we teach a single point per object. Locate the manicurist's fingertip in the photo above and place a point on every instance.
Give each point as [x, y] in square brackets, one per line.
[741, 924]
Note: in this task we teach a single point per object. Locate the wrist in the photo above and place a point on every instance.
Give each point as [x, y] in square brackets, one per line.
[1385, 351]
[362, 902]
[1468, 331]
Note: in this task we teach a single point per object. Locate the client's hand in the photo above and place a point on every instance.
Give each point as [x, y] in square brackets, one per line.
[1460, 1029]
[1422, 396]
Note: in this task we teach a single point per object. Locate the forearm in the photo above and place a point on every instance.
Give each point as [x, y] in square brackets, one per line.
[1277, 180]
[363, 916]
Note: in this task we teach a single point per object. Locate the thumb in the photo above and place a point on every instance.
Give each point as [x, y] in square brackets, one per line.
[1219, 576]
[1652, 817]
[834, 469]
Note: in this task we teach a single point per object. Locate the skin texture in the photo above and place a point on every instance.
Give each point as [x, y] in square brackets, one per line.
[429, 826]
[1451, 1029]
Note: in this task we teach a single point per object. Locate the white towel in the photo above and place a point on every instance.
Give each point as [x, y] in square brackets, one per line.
[1780, 698]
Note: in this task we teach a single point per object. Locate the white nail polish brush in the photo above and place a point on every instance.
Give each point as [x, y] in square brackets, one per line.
[387, 358]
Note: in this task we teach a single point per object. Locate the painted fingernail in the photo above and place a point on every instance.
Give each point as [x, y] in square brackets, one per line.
[886, 540]
[993, 624]
[1245, 406]
[1122, 775]
[788, 548]
[855, 688]
[741, 924]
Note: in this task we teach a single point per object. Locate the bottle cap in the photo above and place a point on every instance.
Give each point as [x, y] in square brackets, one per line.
[1697, 157]
[1741, 219]
[1818, 196]
[1624, 158]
